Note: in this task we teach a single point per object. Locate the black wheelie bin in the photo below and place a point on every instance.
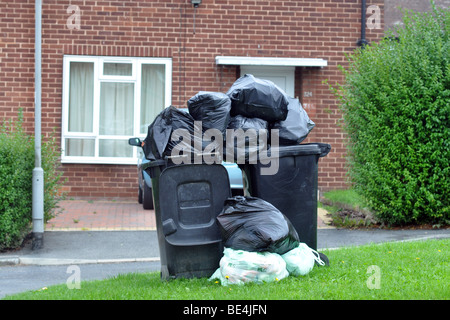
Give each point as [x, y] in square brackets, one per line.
[293, 188]
[187, 200]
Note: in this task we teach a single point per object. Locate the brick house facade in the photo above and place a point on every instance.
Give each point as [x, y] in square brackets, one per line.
[189, 43]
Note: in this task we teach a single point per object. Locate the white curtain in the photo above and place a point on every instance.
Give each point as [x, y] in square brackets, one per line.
[116, 108]
[116, 117]
[116, 111]
[152, 93]
[117, 69]
[81, 105]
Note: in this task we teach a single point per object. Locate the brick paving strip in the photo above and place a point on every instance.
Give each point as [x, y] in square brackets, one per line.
[102, 215]
[120, 215]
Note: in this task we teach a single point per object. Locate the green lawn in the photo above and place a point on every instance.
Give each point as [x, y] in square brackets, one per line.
[408, 270]
[346, 196]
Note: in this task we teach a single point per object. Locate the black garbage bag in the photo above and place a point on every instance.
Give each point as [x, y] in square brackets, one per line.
[242, 122]
[158, 135]
[163, 137]
[252, 224]
[257, 98]
[244, 145]
[297, 125]
[212, 109]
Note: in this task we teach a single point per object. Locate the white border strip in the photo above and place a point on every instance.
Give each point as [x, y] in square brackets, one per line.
[269, 61]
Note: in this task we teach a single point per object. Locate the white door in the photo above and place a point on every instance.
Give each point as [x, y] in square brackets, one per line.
[283, 77]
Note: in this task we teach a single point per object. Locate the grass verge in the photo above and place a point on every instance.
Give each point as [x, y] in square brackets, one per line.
[347, 209]
[390, 271]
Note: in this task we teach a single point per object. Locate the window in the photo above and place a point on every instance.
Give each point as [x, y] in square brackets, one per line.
[106, 101]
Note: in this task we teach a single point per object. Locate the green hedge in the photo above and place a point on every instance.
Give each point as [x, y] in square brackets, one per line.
[396, 112]
[16, 166]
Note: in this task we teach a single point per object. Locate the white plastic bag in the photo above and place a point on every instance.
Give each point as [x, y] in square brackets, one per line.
[300, 260]
[239, 267]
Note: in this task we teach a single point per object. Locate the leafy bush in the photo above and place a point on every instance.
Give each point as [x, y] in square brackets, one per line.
[396, 112]
[16, 166]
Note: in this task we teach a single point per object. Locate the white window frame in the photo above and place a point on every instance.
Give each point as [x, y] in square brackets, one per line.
[98, 78]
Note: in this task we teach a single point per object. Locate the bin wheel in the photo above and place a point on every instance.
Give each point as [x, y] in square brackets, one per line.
[324, 258]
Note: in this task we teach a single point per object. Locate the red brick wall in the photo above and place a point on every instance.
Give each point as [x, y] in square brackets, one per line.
[325, 29]
[101, 181]
[17, 59]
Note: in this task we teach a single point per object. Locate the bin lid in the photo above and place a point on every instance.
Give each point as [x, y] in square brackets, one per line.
[191, 196]
[320, 149]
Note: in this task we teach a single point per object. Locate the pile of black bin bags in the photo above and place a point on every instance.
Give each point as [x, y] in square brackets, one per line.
[250, 103]
[261, 245]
